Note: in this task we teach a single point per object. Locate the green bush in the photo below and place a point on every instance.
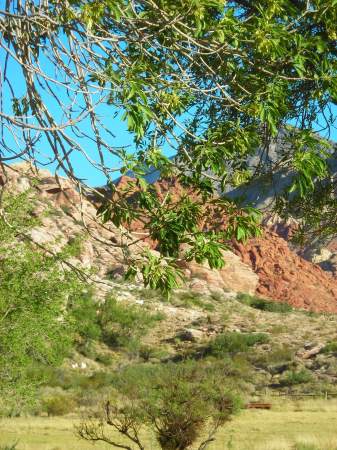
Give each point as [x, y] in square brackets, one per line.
[293, 377]
[118, 324]
[331, 347]
[58, 405]
[104, 359]
[122, 324]
[233, 342]
[34, 290]
[263, 304]
[84, 312]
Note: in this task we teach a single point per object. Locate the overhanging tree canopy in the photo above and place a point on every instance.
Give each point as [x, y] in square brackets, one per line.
[216, 81]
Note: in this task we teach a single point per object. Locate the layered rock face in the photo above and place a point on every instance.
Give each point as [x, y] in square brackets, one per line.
[64, 216]
[266, 266]
[236, 276]
[286, 277]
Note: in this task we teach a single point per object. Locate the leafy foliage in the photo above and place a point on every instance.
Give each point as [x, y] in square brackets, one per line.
[34, 290]
[217, 83]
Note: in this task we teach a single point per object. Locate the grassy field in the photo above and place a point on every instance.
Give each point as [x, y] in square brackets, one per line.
[302, 425]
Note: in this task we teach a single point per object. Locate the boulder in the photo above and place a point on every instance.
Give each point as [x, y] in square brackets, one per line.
[235, 276]
[191, 335]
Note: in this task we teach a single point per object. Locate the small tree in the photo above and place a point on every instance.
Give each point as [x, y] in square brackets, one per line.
[35, 327]
[183, 404]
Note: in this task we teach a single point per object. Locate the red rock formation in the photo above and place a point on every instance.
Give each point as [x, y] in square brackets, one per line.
[282, 274]
[286, 277]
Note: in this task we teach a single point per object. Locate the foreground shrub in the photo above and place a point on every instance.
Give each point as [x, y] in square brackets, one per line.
[179, 402]
[34, 289]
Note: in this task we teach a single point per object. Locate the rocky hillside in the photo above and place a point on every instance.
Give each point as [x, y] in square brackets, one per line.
[266, 266]
[270, 344]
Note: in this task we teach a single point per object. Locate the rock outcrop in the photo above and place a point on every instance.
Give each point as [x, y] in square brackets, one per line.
[286, 277]
[269, 266]
[236, 276]
[266, 266]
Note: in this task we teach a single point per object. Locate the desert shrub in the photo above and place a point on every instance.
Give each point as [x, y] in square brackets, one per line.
[181, 403]
[118, 324]
[84, 312]
[263, 304]
[147, 352]
[148, 294]
[278, 329]
[66, 379]
[71, 380]
[292, 377]
[278, 354]
[58, 405]
[190, 299]
[123, 324]
[98, 380]
[233, 342]
[87, 348]
[331, 347]
[104, 359]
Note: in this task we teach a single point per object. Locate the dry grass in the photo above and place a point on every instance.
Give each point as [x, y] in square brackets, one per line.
[301, 425]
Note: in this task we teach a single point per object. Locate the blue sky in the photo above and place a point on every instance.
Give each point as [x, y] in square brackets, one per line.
[112, 119]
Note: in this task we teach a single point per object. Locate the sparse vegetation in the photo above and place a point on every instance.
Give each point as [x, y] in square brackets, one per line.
[293, 377]
[189, 299]
[232, 343]
[263, 304]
